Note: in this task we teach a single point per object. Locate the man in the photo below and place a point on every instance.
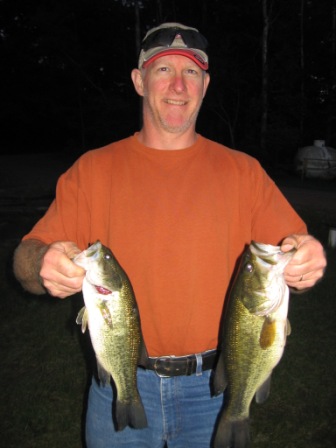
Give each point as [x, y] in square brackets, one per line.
[177, 210]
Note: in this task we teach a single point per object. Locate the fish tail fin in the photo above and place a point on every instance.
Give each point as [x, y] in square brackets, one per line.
[130, 414]
[235, 434]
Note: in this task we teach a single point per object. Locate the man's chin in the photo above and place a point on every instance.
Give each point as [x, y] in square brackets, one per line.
[176, 127]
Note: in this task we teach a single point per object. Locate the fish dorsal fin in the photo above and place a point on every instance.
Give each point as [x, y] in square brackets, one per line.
[82, 318]
[263, 391]
[267, 334]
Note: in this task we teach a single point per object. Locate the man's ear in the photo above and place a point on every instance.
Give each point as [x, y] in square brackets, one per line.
[137, 81]
[206, 83]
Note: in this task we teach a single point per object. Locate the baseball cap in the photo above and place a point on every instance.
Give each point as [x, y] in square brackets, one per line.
[174, 38]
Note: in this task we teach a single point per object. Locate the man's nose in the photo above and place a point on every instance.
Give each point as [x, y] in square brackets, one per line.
[178, 83]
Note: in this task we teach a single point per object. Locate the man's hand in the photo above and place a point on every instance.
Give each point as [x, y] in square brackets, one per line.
[41, 267]
[308, 263]
[59, 275]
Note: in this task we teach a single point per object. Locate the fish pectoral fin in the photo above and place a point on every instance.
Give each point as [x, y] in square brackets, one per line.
[82, 318]
[263, 391]
[267, 334]
[103, 375]
[105, 312]
[219, 380]
[288, 328]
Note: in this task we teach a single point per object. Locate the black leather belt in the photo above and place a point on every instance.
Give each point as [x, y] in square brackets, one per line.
[181, 365]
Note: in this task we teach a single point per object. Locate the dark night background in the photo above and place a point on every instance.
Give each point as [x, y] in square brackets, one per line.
[66, 88]
[65, 70]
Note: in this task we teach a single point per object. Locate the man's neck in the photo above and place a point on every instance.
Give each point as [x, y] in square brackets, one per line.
[167, 140]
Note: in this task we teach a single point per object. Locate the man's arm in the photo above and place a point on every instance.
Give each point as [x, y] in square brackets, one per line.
[42, 268]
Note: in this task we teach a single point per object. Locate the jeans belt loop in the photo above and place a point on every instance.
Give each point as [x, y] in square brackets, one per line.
[199, 364]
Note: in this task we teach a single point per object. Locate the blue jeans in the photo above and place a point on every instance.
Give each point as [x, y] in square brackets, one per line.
[180, 412]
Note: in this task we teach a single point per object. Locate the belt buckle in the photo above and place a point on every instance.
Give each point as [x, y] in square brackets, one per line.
[157, 367]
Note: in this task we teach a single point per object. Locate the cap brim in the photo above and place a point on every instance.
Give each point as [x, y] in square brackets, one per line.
[190, 53]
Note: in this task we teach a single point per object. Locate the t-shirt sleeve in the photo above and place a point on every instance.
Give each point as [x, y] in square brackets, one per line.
[273, 217]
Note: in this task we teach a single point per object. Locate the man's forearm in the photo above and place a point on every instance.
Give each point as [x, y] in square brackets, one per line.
[27, 265]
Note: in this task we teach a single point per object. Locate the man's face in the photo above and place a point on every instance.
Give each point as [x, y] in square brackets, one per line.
[173, 88]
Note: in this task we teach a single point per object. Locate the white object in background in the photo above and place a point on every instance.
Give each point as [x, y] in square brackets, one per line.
[332, 237]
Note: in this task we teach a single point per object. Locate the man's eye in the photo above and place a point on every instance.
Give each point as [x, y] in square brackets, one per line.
[191, 72]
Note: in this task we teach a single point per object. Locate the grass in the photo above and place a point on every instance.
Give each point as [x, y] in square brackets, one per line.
[300, 412]
[44, 364]
[43, 375]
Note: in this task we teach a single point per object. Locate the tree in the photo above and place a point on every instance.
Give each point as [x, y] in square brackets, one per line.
[66, 71]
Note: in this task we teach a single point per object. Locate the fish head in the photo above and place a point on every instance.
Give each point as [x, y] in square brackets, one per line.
[260, 278]
[102, 268]
[272, 255]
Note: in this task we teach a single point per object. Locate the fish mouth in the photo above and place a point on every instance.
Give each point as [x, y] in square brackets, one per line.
[274, 261]
[90, 253]
[271, 255]
[93, 250]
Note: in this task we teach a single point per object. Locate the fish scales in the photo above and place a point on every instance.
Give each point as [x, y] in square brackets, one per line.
[112, 316]
[253, 337]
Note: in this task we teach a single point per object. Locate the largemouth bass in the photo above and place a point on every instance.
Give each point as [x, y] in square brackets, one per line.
[252, 340]
[112, 316]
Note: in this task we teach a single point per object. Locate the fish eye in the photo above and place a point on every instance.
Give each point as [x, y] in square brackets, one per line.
[249, 267]
[107, 257]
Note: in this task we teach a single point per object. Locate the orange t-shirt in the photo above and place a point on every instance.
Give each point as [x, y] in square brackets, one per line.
[177, 221]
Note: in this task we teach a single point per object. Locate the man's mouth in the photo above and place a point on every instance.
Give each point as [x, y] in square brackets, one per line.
[176, 102]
